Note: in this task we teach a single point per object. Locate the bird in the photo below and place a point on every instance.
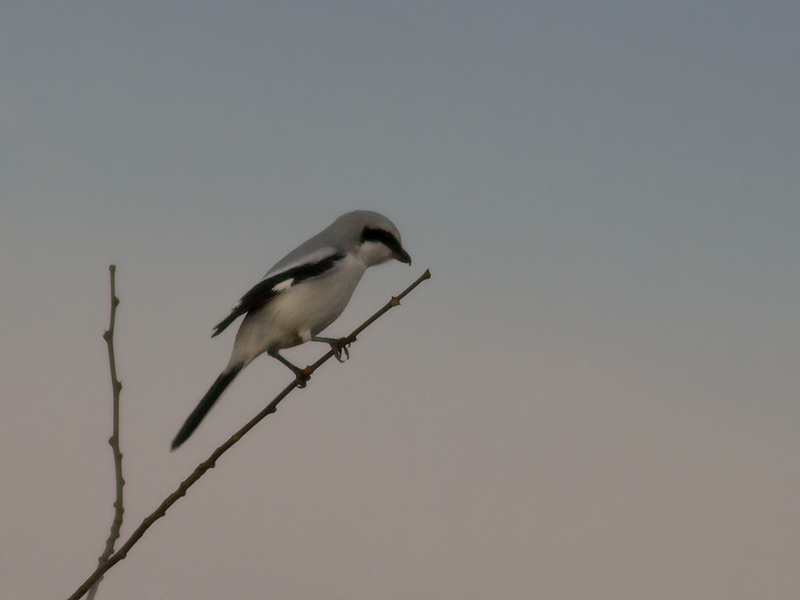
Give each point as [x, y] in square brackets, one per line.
[300, 296]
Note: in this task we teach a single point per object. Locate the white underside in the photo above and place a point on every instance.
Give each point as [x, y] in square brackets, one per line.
[298, 313]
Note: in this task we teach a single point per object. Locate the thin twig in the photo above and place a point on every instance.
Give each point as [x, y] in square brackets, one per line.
[116, 386]
[211, 461]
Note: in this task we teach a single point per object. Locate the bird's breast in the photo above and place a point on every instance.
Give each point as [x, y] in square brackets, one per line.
[309, 306]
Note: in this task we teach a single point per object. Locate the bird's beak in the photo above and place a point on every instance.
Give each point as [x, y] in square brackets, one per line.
[402, 256]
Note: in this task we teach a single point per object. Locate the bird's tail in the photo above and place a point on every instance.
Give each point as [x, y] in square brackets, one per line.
[201, 410]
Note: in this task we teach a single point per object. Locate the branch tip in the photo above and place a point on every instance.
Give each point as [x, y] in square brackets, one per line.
[116, 386]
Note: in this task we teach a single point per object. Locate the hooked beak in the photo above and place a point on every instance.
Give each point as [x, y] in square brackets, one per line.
[401, 255]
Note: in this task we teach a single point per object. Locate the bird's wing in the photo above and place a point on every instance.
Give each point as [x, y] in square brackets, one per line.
[276, 282]
[302, 255]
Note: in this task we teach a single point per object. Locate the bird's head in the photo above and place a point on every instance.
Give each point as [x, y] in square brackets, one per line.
[377, 238]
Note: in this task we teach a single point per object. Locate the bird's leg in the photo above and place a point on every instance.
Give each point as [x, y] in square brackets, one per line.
[301, 374]
[338, 345]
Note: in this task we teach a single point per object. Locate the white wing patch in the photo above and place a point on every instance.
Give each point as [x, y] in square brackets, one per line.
[282, 285]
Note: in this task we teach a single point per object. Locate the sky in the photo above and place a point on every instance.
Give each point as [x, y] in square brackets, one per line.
[594, 396]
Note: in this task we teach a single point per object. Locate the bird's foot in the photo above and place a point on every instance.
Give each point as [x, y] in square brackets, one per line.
[302, 378]
[339, 350]
[301, 375]
[339, 346]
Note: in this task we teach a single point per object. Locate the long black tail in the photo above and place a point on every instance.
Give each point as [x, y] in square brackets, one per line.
[199, 413]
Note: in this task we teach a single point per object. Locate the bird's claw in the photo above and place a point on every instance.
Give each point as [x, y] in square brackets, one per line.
[338, 345]
[340, 348]
[303, 375]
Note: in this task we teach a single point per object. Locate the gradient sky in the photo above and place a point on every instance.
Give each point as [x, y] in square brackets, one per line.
[595, 396]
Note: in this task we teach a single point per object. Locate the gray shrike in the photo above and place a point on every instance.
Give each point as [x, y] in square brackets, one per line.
[301, 295]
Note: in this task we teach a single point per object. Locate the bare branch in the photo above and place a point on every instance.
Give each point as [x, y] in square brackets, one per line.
[211, 461]
[116, 386]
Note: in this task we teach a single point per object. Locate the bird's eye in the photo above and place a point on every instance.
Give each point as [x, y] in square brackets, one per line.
[373, 234]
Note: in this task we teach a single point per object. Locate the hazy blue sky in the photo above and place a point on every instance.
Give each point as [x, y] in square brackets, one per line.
[595, 396]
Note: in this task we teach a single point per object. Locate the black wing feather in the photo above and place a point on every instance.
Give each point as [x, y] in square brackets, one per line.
[264, 290]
